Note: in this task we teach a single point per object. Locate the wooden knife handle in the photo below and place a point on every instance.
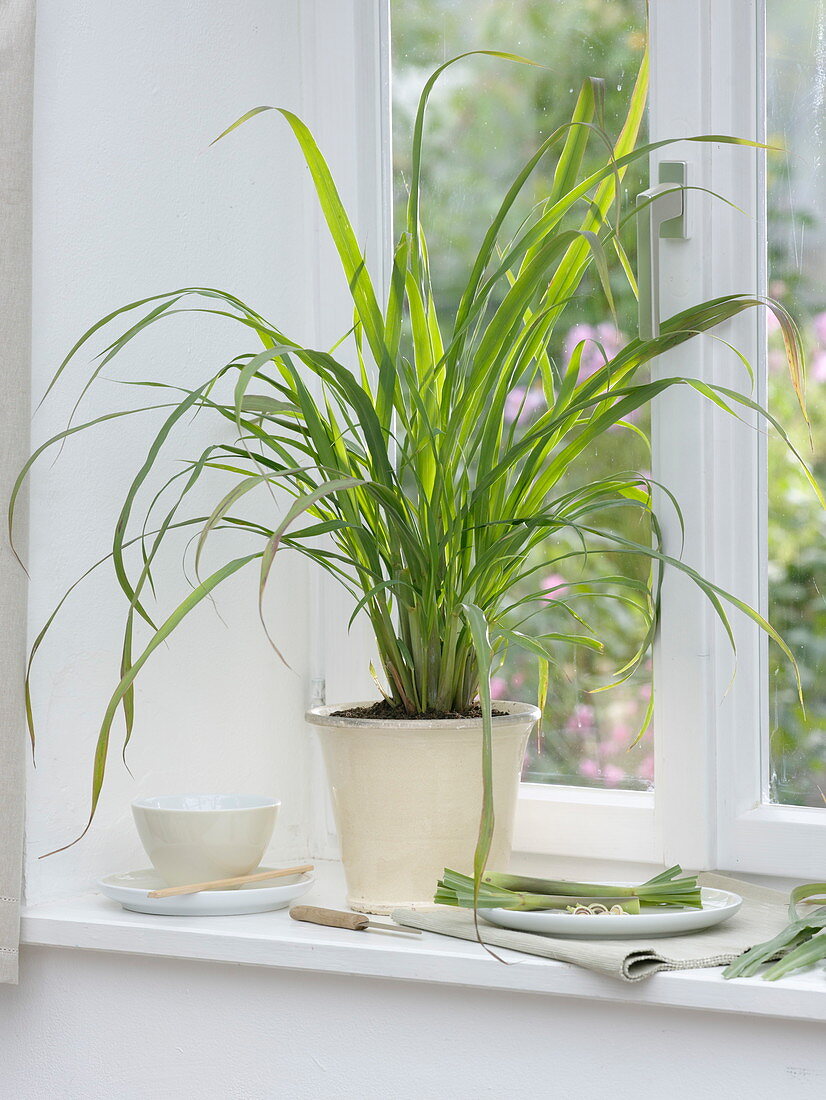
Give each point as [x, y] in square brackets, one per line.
[331, 917]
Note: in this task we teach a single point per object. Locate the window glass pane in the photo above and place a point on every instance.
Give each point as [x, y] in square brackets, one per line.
[486, 118]
[796, 88]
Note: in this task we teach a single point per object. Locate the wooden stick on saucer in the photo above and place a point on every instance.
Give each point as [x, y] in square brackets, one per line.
[219, 883]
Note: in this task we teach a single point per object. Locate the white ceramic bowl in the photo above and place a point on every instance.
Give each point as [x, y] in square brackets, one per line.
[200, 837]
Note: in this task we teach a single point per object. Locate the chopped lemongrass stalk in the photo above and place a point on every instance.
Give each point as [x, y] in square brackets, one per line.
[808, 893]
[785, 943]
[803, 956]
[457, 889]
[506, 899]
[666, 876]
[664, 890]
[551, 886]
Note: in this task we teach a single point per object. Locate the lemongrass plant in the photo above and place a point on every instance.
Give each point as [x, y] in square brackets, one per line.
[407, 485]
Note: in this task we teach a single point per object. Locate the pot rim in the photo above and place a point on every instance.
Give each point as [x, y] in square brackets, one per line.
[323, 716]
[254, 803]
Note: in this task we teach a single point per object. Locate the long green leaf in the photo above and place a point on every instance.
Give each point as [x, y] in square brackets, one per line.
[161, 634]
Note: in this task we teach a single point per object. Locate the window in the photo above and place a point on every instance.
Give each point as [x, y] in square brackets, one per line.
[714, 797]
[739, 770]
[796, 234]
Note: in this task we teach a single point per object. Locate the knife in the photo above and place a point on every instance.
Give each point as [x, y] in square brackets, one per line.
[356, 922]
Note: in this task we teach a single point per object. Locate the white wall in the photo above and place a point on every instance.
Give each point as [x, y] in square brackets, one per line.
[131, 201]
[80, 1028]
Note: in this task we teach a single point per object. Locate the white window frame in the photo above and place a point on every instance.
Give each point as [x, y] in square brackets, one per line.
[707, 80]
[711, 805]
[711, 764]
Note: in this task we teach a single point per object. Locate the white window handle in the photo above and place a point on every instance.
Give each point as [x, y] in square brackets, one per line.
[661, 213]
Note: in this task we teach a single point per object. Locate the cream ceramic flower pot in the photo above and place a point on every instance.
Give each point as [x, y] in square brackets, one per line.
[407, 798]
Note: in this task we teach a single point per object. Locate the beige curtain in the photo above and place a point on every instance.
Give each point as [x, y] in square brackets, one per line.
[16, 64]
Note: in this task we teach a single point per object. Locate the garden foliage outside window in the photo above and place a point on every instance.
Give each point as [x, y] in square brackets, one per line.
[484, 120]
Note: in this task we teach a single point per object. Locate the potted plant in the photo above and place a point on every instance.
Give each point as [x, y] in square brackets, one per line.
[409, 486]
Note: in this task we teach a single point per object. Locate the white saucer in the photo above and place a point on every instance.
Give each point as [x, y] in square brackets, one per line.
[718, 906]
[132, 888]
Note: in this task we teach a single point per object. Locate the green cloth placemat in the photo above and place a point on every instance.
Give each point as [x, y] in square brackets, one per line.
[763, 914]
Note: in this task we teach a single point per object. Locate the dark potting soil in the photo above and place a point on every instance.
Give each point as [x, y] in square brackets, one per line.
[395, 712]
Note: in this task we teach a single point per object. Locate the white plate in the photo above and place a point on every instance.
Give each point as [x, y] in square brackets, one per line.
[132, 888]
[718, 906]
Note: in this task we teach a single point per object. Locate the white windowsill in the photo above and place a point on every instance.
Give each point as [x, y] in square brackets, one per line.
[91, 922]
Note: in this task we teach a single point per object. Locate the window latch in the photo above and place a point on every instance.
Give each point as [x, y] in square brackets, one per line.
[660, 213]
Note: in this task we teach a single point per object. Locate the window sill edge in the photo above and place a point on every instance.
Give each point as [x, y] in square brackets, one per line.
[91, 922]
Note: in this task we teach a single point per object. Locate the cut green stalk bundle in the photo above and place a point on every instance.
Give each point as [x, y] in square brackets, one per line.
[669, 889]
[406, 483]
[799, 946]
